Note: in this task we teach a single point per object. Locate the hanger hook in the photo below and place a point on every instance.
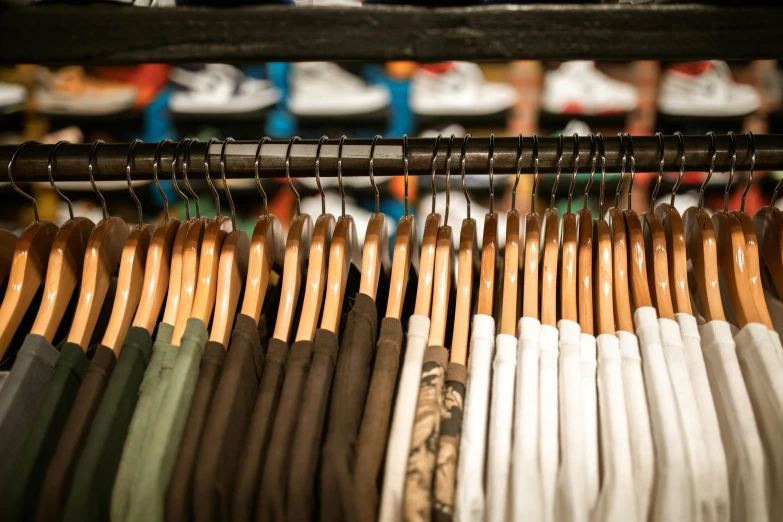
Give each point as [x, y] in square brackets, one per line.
[209, 178]
[752, 141]
[185, 157]
[557, 175]
[633, 168]
[340, 171]
[448, 180]
[462, 170]
[622, 170]
[432, 170]
[51, 178]
[174, 176]
[231, 207]
[128, 164]
[535, 175]
[681, 149]
[593, 162]
[492, 173]
[519, 172]
[258, 178]
[92, 180]
[732, 169]
[19, 191]
[713, 154]
[576, 171]
[288, 174]
[162, 193]
[777, 187]
[372, 178]
[602, 191]
[318, 173]
[657, 187]
[405, 169]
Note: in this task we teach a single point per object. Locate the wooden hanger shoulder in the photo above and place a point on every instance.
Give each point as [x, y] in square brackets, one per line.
[103, 254]
[64, 269]
[549, 261]
[126, 300]
[208, 266]
[297, 249]
[404, 260]
[267, 247]
[702, 253]
[466, 262]
[768, 223]
[657, 254]
[7, 246]
[637, 263]
[191, 257]
[156, 274]
[489, 246]
[427, 265]
[567, 268]
[232, 273]
[754, 268]
[584, 270]
[508, 314]
[175, 274]
[316, 277]
[674, 231]
[621, 299]
[602, 275]
[375, 255]
[530, 265]
[341, 251]
[444, 258]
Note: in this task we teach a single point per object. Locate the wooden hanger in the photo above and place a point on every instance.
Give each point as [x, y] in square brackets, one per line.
[584, 252]
[508, 313]
[568, 260]
[406, 251]
[266, 249]
[297, 249]
[375, 253]
[64, 267]
[486, 291]
[532, 253]
[158, 268]
[7, 246]
[604, 260]
[621, 299]
[550, 253]
[427, 254]
[444, 255]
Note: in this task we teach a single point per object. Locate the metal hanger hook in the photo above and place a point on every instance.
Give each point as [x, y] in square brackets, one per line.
[681, 150]
[128, 165]
[21, 192]
[174, 177]
[372, 177]
[732, 169]
[657, 187]
[462, 170]
[231, 207]
[557, 174]
[622, 170]
[492, 173]
[318, 173]
[633, 168]
[51, 177]
[288, 174]
[593, 162]
[93, 149]
[258, 178]
[775, 192]
[162, 193]
[432, 169]
[209, 178]
[535, 175]
[448, 180]
[602, 188]
[713, 155]
[185, 158]
[572, 186]
[339, 171]
[405, 169]
[752, 141]
[519, 172]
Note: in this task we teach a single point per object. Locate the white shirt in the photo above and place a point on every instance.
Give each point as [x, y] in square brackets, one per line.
[617, 498]
[526, 494]
[763, 374]
[501, 417]
[391, 509]
[469, 498]
[718, 475]
[589, 390]
[643, 457]
[690, 422]
[741, 440]
[775, 308]
[548, 421]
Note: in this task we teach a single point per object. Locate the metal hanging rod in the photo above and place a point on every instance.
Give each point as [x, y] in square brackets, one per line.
[109, 163]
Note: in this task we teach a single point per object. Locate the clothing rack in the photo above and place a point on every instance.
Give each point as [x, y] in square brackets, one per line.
[110, 160]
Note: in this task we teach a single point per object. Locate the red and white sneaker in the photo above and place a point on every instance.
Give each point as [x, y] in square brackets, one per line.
[578, 88]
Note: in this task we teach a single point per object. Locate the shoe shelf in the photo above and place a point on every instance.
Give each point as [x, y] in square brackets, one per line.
[111, 34]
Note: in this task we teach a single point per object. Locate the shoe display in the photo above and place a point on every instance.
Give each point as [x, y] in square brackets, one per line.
[218, 89]
[579, 88]
[326, 89]
[12, 95]
[713, 92]
[71, 91]
[459, 90]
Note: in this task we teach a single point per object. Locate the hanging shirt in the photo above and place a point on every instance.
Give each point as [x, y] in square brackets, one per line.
[642, 456]
[740, 435]
[58, 476]
[589, 391]
[391, 509]
[448, 443]
[147, 502]
[469, 501]
[20, 496]
[251, 379]
[179, 496]
[690, 422]
[718, 478]
[775, 308]
[763, 374]
[617, 497]
[93, 478]
[527, 501]
[373, 432]
[571, 494]
[548, 419]
[3, 378]
[151, 392]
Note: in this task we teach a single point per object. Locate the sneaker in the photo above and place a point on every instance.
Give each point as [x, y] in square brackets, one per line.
[461, 90]
[219, 89]
[71, 91]
[579, 88]
[12, 95]
[711, 93]
[326, 89]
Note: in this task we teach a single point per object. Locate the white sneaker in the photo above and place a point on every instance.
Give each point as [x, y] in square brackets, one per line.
[579, 88]
[219, 89]
[11, 95]
[712, 93]
[326, 89]
[460, 91]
